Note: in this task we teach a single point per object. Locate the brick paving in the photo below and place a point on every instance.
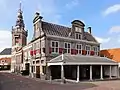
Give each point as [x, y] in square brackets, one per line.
[15, 82]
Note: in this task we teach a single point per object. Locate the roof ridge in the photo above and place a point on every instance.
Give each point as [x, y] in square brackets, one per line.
[56, 24]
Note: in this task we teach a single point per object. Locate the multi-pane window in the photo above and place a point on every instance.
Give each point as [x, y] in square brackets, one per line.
[95, 49]
[78, 36]
[79, 48]
[88, 49]
[55, 46]
[67, 47]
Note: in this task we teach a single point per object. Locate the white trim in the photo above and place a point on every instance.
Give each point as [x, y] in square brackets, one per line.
[119, 64]
[89, 63]
[4, 64]
[59, 63]
[18, 53]
[72, 39]
[27, 47]
[5, 56]
[77, 63]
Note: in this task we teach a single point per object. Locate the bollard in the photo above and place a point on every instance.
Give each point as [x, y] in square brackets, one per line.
[51, 79]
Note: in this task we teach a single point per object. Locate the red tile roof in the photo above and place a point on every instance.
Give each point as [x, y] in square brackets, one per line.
[113, 54]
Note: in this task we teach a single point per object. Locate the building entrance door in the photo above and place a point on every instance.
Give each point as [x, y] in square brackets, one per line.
[37, 71]
[27, 67]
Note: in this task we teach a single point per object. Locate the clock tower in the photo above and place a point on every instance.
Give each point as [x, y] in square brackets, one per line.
[19, 34]
[19, 39]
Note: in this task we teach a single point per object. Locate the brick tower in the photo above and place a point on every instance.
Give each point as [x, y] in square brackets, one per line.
[19, 36]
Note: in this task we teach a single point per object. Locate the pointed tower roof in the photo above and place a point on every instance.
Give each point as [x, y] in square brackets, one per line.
[20, 21]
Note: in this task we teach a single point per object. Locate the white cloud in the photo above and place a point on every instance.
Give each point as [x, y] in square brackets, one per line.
[72, 4]
[5, 39]
[112, 41]
[112, 9]
[105, 43]
[102, 40]
[114, 29]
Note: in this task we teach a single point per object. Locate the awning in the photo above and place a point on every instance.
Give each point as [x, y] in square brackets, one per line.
[67, 59]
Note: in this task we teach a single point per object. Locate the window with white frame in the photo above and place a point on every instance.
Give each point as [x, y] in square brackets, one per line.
[55, 47]
[88, 48]
[78, 36]
[79, 48]
[95, 49]
[67, 47]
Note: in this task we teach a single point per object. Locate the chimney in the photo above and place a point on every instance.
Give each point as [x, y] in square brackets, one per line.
[37, 16]
[89, 30]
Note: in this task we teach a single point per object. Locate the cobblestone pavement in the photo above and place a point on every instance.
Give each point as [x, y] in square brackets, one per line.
[15, 82]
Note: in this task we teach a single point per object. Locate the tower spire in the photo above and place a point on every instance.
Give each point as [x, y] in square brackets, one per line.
[20, 21]
[20, 6]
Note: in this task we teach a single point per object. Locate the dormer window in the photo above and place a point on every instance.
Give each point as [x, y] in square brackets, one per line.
[78, 36]
[78, 29]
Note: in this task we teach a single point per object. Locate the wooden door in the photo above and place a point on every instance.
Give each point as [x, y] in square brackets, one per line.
[37, 71]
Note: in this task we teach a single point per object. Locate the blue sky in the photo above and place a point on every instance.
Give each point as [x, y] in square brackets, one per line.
[102, 15]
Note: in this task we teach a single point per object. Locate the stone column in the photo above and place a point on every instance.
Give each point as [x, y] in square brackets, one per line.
[48, 73]
[101, 72]
[118, 72]
[35, 69]
[62, 71]
[110, 76]
[30, 69]
[31, 73]
[78, 73]
[90, 72]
